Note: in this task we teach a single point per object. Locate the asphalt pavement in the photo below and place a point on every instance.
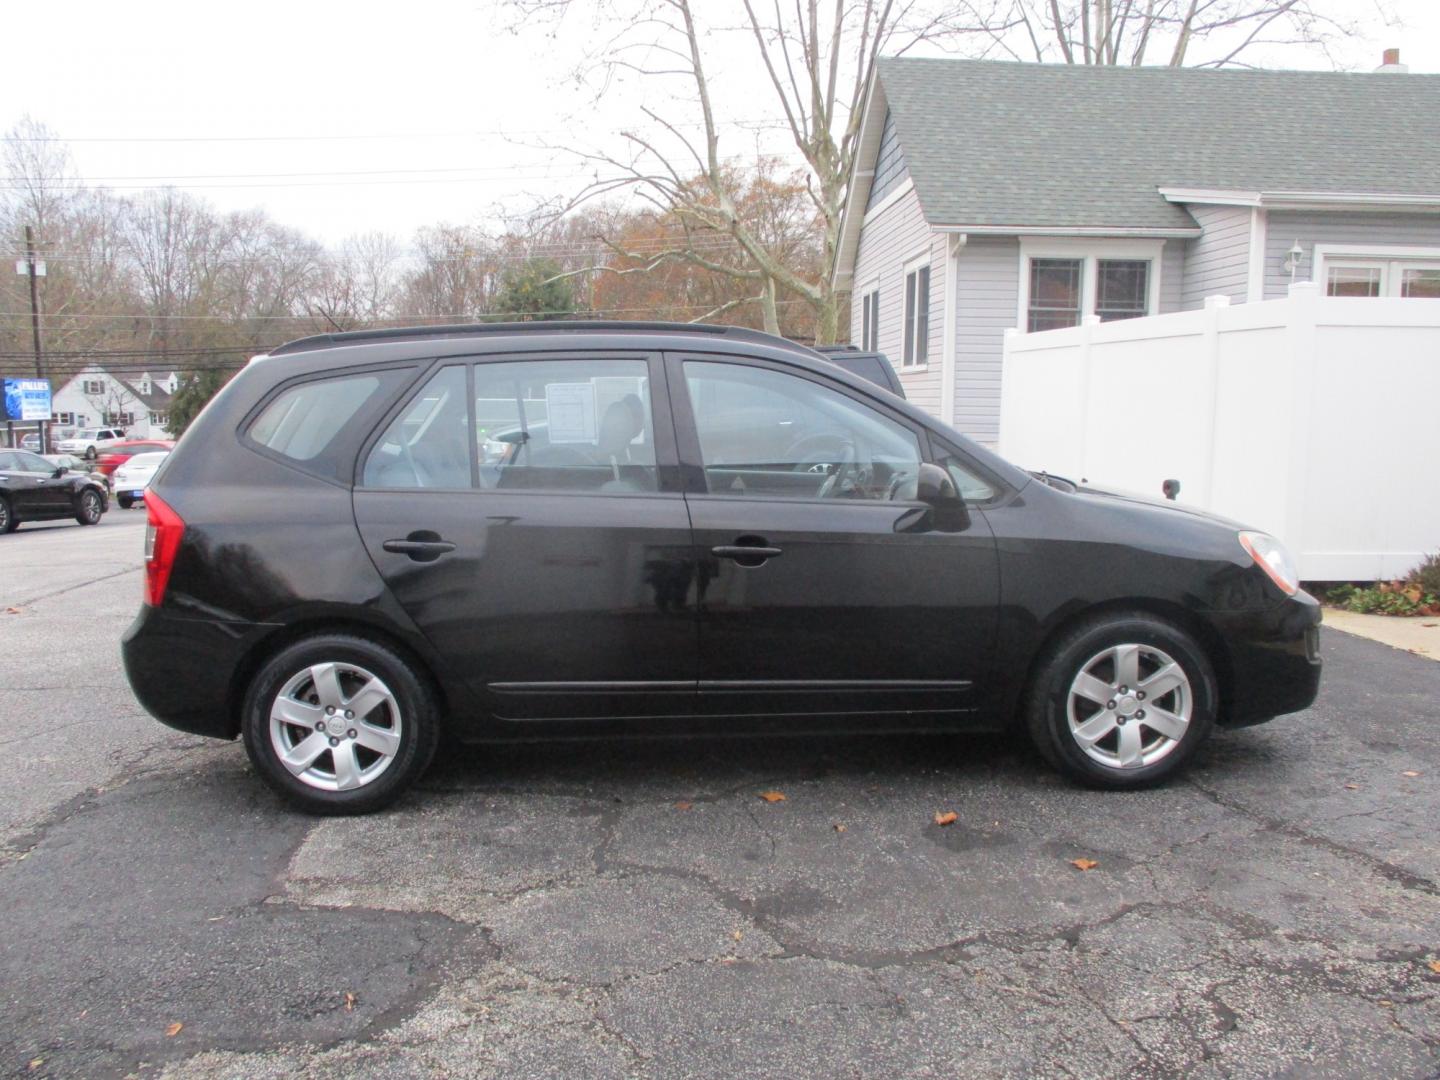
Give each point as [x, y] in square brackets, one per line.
[637, 909]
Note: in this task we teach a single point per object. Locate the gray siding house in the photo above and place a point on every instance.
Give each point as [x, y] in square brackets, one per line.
[988, 195]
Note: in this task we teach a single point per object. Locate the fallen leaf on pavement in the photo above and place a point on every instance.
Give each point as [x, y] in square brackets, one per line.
[173, 1029]
[683, 805]
[947, 818]
[35, 1063]
[1084, 864]
[839, 827]
[738, 934]
[1409, 772]
[1435, 966]
[1352, 787]
[773, 796]
[349, 1001]
[13, 610]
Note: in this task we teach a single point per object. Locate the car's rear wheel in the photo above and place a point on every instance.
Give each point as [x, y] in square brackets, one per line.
[8, 522]
[89, 507]
[339, 724]
[90, 453]
[125, 501]
[1121, 700]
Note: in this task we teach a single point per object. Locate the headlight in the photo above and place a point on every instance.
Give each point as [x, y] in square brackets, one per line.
[1270, 555]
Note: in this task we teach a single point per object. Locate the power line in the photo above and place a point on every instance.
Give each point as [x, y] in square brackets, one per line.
[406, 320]
[766, 122]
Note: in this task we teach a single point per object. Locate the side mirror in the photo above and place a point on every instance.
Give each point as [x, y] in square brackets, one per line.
[934, 485]
[60, 470]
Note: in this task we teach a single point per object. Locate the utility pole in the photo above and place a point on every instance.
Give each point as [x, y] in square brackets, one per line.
[31, 265]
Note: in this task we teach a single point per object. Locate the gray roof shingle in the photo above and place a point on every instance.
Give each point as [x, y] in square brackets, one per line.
[992, 143]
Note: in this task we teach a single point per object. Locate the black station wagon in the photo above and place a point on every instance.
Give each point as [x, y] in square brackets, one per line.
[514, 531]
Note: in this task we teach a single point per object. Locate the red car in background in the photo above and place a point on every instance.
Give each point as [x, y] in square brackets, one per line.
[117, 455]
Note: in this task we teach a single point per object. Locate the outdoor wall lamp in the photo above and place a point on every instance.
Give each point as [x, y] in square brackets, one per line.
[1292, 259]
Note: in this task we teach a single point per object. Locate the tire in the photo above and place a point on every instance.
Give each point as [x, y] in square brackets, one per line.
[90, 453]
[288, 685]
[1111, 743]
[125, 501]
[8, 521]
[88, 507]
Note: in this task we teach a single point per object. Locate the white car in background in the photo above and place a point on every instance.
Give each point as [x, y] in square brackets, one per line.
[88, 442]
[132, 478]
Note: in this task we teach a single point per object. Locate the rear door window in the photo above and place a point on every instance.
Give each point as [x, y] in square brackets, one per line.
[428, 444]
[565, 425]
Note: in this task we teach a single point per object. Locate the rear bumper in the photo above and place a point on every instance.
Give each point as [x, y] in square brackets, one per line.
[1274, 663]
[184, 671]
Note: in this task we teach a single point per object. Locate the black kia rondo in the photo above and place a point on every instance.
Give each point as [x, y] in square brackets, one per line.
[520, 531]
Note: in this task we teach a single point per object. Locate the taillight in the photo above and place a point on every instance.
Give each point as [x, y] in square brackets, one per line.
[162, 540]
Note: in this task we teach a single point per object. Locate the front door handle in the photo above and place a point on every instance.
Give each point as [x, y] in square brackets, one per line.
[423, 546]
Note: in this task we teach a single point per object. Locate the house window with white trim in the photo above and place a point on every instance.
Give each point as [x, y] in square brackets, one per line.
[1055, 295]
[95, 387]
[1122, 289]
[917, 317]
[1417, 279]
[66, 418]
[1065, 279]
[870, 321]
[160, 419]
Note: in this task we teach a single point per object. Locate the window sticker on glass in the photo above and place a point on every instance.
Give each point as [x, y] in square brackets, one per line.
[571, 408]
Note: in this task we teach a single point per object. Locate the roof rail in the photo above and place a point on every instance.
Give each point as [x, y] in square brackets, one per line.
[419, 333]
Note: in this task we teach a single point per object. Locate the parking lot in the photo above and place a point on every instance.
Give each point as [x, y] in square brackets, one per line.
[639, 909]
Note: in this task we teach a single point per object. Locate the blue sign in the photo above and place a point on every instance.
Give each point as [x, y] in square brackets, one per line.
[27, 399]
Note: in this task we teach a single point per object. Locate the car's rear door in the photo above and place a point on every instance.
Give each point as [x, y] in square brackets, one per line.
[824, 586]
[526, 511]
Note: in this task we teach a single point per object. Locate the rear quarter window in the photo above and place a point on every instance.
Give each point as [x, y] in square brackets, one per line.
[317, 424]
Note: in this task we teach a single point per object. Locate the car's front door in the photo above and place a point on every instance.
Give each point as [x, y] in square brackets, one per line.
[53, 495]
[824, 586]
[21, 486]
[527, 513]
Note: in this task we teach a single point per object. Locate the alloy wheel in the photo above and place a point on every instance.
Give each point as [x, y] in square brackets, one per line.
[1129, 706]
[335, 726]
[90, 506]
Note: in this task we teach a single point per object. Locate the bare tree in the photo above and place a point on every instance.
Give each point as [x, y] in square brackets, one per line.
[816, 66]
[1202, 33]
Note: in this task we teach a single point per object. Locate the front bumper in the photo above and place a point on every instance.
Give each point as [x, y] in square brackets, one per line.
[1274, 662]
[185, 671]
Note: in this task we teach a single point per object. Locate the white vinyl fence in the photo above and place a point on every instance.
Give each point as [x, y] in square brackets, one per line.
[1314, 418]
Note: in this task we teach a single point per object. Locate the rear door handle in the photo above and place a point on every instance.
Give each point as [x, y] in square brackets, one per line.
[421, 547]
[740, 551]
[747, 554]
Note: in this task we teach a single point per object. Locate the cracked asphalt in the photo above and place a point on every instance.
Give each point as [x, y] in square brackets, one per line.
[635, 909]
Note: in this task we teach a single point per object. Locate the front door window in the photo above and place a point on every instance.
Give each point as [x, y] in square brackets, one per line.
[766, 434]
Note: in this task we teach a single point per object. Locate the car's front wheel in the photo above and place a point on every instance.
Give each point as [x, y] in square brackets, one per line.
[89, 507]
[8, 522]
[1121, 700]
[339, 724]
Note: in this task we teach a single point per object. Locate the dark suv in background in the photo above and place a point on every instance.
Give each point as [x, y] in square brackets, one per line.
[587, 528]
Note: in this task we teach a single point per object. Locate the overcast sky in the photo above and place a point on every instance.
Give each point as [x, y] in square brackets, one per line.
[341, 118]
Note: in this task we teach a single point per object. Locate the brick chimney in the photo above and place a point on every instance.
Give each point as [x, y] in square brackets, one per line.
[1390, 61]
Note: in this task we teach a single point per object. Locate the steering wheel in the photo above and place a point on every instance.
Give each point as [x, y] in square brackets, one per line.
[811, 453]
[898, 481]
